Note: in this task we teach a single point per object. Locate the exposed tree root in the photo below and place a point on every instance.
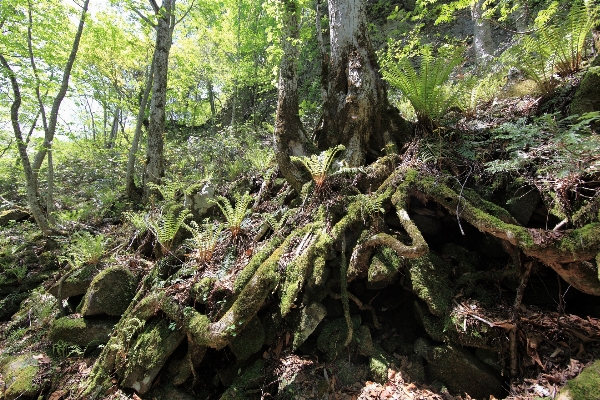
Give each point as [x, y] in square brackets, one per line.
[297, 263]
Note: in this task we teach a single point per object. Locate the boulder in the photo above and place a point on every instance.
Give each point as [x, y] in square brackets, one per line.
[21, 380]
[586, 97]
[459, 370]
[76, 283]
[248, 341]
[384, 269]
[16, 214]
[585, 386]
[110, 292]
[310, 317]
[333, 336]
[81, 331]
[200, 202]
[379, 364]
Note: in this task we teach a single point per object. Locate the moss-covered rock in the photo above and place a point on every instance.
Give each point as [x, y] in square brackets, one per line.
[333, 336]
[76, 283]
[201, 290]
[248, 341]
[110, 292]
[81, 331]
[585, 386]
[251, 378]
[460, 370]
[586, 98]
[430, 282]
[149, 353]
[348, 373]
[16, 214]
[309, 319]
[384, 269]
[379, 364]
[10, 305]
[21, 380]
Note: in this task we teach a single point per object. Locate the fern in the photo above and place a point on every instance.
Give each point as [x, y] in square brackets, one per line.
[204, 240]
[138, 220]
[556, 47]
[84, 249]
[261, 159]
[427, 88]
[318, 165]
[234, 214]
[166, 223]
[370, 205]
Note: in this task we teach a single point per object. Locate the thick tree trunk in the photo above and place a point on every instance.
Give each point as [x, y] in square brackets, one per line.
[155, 168]
[130, 187]
[290, 137]
[356, 113]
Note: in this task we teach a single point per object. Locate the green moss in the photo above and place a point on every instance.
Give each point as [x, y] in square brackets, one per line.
[430, 282]
[332, 337]
[582, 239]
[251, 378]
[379, 363]
[21, 377]
[248, 341]
[586, 385]
[110, 292]
[385, 265]
[248, 272]
[201, 290]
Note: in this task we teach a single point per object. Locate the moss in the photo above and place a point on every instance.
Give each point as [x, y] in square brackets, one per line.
[201, 290]
[21, 377]
[379, 363]
[385, 265]
[80, 331]
[110, 292]
[430, 282]
[582, 239]
[251, 378]
[248, 272]
[332, 337]
[249, 341]
[585, 386]
[349, 373]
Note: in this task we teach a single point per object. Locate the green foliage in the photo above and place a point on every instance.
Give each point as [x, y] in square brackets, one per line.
[370, 206]
[165, 222]
[204, 239]
[260, 158]
[63, 349]
[318, 165]
[84, 249]
[138, 220]
[427, 87]
[234, 214]
[557, 46]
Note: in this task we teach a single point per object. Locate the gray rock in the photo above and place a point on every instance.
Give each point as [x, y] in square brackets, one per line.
[248, 341]
[76, 283]
[81, 331]
[12, 215]
[200, 202]
[586, 97]
[110, 292]
[310, 317]
[20, 375]
[523, 206]
[460, 370]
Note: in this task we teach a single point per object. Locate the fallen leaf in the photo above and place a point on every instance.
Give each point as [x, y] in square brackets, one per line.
[58, 395]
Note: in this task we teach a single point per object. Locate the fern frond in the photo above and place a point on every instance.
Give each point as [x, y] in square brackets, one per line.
[318, 165]
[169, 190]
[167, 223]
[234, 214]
[204, 239]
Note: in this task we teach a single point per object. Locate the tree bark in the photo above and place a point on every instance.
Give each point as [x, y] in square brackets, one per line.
[155, 168]
[130, 187]
[290, 137]
[357, 112]
[482, 34]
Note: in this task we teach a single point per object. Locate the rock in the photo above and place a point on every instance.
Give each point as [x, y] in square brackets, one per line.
[171, 393]
[384, 269]
[585, 386]
[10, 304]
[379, 364]
[201, 201]
[523, 207]
[81, 331]
[251, 378]
[348, 372]
[586, 97]
[364, 342]
[16, 214]
[460, 370]
[310, 317]
[21, 380]
[76, 283]
[147, 356]
[110, 292]
[248, 341]
[333, 336]
[430, 282]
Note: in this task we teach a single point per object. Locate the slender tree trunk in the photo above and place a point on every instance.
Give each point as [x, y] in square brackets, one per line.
[130, 187]
[482, 34]
[357, 113]
[155, 168]
[32, 196]
[290, 138]
[323, 52]
[114, 129]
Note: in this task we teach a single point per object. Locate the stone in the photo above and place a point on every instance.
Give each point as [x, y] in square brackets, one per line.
[20, 375]
[459, 370]
[149, 353]
[384, 269]
[310, 317]
[77, 283]
[110, 292]
[333, 336]
[13, 215]
[379, 364]
[81, 331]
[249, 340]
[586, 97]
[430, 282]
[522, 207]
[200, 202]
[585, 386]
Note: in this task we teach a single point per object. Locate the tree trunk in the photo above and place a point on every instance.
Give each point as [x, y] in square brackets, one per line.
[290, 138]
[357, 112]
[114, 129]
[155, 168]
[482, 34]
[130, 187]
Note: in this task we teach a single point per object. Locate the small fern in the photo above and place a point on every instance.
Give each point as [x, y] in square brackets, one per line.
[166, 223]
[425, 88]
[318, 165]
[261, 159]
[370, 206]
[204, 240]
[234, 214]
[84, 249]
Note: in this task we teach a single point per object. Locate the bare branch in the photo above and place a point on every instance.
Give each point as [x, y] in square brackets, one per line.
[144, 18]
[184, 14]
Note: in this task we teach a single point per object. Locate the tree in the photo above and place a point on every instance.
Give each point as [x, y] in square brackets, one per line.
[356, 113]
[49, 123]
